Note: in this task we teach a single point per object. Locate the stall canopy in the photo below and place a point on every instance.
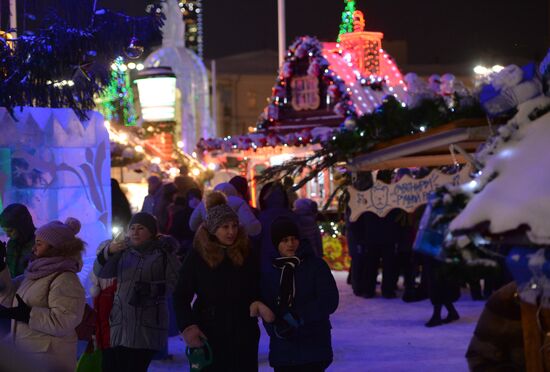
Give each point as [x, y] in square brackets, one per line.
[427, 149]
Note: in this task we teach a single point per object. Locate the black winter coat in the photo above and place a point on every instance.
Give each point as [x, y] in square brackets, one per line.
[222, 307]
[315, 299]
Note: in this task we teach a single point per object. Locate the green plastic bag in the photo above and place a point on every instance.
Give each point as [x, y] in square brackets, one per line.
[199, 357]
[90, 360]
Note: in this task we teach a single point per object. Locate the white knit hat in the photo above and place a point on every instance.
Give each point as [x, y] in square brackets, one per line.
[56, 232]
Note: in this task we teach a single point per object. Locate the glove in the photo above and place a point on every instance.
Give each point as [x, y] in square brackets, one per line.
[282, 329]
[293, 319]
[21, 313]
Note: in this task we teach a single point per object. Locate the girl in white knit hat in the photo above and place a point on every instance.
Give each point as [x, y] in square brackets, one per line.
[47, 302]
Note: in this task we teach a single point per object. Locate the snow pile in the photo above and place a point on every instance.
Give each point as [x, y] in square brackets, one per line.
[509, 88]
[513, 187]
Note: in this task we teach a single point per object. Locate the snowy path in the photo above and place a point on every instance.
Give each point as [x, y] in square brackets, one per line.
[380, 335]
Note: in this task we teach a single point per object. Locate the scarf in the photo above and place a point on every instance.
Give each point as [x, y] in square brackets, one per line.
[287, 286]
[44, 266]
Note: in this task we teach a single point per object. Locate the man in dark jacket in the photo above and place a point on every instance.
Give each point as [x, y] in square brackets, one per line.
[301, 291]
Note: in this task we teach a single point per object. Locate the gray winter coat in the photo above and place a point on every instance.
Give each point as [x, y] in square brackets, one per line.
[145, 276]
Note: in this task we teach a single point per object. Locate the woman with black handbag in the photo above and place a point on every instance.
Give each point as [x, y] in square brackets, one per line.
[145, 265]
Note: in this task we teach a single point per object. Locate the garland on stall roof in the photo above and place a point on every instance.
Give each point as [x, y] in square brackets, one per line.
[258, 140]
[65, 61]
[358, 136]
[305, 49]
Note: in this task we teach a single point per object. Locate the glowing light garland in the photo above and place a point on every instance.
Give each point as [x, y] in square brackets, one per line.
[118, 100]
[347, 18]
[192, 16]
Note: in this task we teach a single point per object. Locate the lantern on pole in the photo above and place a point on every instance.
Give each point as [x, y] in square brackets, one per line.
[157, 94]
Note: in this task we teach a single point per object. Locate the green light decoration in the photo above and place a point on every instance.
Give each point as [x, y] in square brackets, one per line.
[117, 102]
[347, 18]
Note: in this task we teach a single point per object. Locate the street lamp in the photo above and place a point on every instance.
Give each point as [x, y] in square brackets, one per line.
[157, 94]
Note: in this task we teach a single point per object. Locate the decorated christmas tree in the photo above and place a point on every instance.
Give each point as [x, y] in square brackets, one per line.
[117, 101]
[64, 61]
[347, 18]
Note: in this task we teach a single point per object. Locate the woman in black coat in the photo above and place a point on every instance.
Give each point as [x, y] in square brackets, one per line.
[223, 273]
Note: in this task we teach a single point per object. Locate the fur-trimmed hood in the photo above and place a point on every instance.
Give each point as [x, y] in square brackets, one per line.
[213, 252]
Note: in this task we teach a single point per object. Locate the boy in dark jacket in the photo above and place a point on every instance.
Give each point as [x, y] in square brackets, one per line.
[301, 291]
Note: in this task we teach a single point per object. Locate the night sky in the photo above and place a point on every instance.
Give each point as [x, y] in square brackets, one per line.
[437, 31]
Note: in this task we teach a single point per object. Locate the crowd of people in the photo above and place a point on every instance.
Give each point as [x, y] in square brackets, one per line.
[204, 267]
[386, 243]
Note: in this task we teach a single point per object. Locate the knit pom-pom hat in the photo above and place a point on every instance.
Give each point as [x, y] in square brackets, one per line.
[217, 211]
[56, 233]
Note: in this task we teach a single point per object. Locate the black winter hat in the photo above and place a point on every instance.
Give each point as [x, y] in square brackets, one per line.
[18, 217]
[147, 220]
[281, 228]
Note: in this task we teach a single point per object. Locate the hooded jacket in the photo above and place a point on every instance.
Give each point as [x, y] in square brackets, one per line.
[316, 297]
[247, 219]
[147, 273]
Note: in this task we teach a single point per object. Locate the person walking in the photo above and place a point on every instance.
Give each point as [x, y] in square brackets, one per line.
[180, 214]
[145, 266]
[48, 303]
[103, 292]
[122, 213]
[222, 271]
[302, 293]
[306, 210]
[241, 185]
[154, 194]
[243, 210]
[273, 201]
[17, 223]
[443, 291]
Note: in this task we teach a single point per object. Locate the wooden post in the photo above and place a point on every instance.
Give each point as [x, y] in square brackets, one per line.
[536, 341]
[281, 22]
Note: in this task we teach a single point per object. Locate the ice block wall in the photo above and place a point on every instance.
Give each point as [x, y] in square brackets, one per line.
[58, 166]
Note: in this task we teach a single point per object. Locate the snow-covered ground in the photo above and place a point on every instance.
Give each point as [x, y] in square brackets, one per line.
[379, 335]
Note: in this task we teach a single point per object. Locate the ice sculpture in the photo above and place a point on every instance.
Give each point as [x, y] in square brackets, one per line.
[192, 79]
[58, 166]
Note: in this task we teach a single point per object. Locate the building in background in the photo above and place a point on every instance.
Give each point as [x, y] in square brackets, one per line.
[192, 17]
[243, 86]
